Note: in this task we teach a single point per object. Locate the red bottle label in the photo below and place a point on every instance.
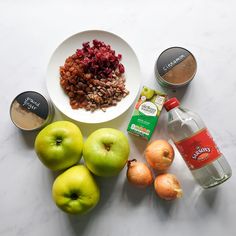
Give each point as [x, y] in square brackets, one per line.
[198, 150]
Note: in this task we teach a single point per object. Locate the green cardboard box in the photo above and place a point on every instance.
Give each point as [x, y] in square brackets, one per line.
[146, 113]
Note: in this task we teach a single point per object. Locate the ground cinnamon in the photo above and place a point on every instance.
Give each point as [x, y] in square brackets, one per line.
[175, 67]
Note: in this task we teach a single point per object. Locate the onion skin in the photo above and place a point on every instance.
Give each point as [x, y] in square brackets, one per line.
[139, 174]
[167, 187]
[159, 155]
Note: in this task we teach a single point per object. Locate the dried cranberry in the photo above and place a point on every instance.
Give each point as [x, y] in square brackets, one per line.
[121, 68]
[99, 59]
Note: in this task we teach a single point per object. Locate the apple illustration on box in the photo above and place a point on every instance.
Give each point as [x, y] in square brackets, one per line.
[147, 92]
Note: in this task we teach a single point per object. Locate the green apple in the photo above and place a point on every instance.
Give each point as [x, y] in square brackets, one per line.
[147, 92]
[75, 190]
[59, 145]
[106, 152]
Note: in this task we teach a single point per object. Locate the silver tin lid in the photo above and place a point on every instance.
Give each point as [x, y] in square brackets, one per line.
[175, 67]
[31, 111]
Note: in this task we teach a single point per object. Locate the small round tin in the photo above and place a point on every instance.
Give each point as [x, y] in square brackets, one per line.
[175, 67]
[31, 111]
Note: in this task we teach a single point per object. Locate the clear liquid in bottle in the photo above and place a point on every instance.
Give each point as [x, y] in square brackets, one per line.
[194, 142]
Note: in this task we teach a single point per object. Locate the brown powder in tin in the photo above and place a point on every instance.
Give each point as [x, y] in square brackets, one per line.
[182, 72]
[24, 118]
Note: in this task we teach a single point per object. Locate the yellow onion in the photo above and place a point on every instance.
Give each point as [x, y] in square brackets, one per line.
[159, 155]
[167, 187]
[138, 173]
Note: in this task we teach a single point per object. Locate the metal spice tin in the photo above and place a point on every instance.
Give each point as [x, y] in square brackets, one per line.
[175, 67]
[31, 111]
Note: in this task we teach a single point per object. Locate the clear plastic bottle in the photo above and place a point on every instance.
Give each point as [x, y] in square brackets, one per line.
[191, 137]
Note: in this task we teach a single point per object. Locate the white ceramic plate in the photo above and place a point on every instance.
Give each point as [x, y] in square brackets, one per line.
[66, 49]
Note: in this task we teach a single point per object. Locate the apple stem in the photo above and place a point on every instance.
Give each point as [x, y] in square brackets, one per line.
[58, 141]
[107, 147]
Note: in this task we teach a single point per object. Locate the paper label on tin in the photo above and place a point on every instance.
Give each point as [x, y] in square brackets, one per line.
[169, 59]
[34, 103]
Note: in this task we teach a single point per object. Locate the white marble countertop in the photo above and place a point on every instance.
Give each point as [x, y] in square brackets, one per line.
[29, 33]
